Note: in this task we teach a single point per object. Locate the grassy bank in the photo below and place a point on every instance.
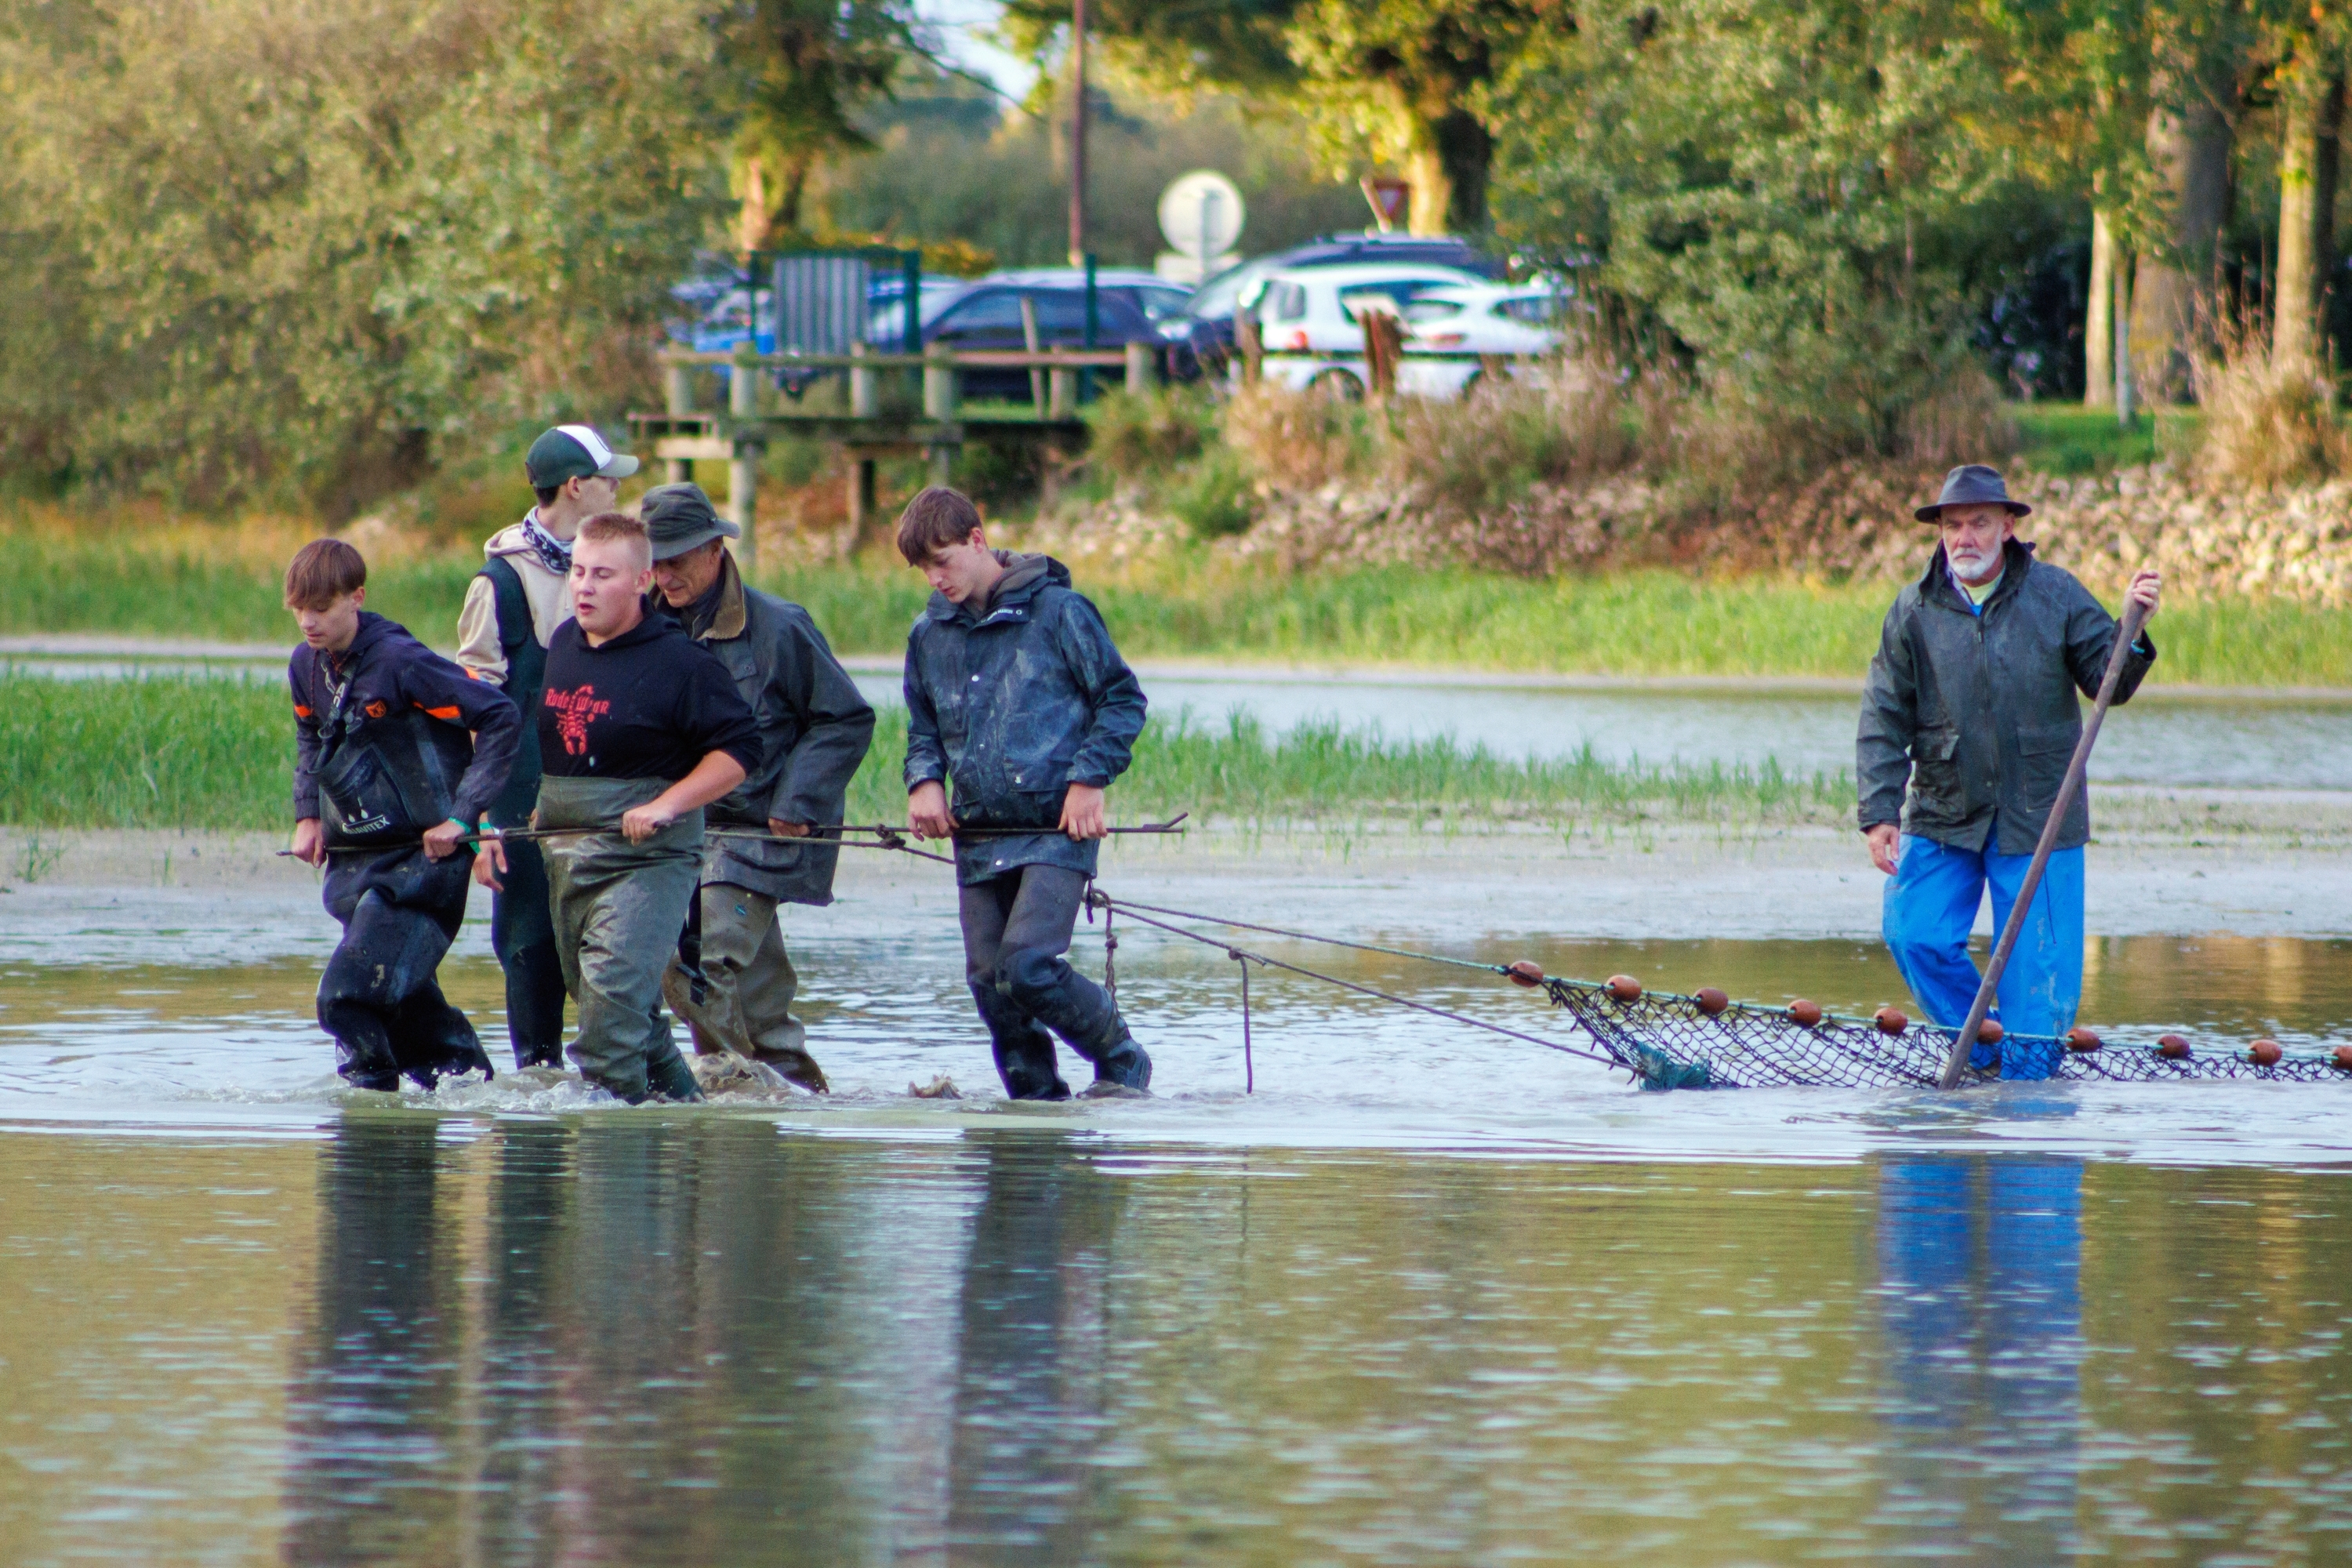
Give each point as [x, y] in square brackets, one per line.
[216, 753]
[192, 581]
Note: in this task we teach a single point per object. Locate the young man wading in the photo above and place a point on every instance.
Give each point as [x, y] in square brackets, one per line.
[638, 731]
[732, 981]
[512, 608]
[397, 754]
[1970, 706]
[1016, 693]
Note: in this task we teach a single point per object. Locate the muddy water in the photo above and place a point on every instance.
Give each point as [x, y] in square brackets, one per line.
[407, 1338]
[1426, 1296]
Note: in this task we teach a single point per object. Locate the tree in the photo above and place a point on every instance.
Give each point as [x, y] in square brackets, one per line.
[1803, 197]
[802, 69]
[2311, 92]
[1403, 80]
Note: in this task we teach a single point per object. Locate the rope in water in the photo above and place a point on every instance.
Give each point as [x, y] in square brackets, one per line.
[1097, 899]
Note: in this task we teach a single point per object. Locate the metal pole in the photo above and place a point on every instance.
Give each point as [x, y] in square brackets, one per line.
[1965, 1041]
[1094, 325]
[1077, 133]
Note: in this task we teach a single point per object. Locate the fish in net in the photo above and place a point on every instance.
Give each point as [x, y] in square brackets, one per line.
[1707, 1041]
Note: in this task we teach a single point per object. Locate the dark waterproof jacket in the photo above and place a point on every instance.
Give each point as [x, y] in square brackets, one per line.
[1978, 714]
[814, 729]
[383, 731]
[1013, 708]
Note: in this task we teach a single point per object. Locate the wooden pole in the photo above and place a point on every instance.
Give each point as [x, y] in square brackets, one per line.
[743, 471]
[1965, 1041]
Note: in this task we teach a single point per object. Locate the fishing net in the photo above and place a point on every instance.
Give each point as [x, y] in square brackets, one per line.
[1674, 1042]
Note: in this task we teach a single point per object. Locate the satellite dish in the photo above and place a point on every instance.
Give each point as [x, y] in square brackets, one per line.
[1201, 212]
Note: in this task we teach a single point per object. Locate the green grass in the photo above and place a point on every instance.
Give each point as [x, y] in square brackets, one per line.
[2070, 439]
[183, 582]
[217, 754]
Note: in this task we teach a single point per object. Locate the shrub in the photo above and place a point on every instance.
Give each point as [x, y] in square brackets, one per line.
[1131, 436]
[2267, 421]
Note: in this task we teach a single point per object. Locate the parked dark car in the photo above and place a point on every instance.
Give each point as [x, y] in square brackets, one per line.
[1199, 340]
[987, 315]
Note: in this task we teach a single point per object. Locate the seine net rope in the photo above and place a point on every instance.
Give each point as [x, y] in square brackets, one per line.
[1671, 1042]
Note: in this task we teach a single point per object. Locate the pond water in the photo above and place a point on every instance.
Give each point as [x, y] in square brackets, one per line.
[2160, 740]
[667, 1339]
[1425, 1296]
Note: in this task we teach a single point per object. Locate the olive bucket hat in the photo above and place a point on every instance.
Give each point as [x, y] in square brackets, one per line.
[679, 518]
[1972, 484]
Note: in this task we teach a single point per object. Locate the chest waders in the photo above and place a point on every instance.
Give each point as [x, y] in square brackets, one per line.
[384, 779]
[619, 907]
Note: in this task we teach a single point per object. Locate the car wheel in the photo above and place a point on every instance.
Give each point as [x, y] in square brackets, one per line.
[1337, 384]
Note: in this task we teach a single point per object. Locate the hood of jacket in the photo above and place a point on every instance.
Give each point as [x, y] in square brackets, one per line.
[1024, 577]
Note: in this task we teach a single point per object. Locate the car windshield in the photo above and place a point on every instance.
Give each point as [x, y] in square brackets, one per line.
[888, 322]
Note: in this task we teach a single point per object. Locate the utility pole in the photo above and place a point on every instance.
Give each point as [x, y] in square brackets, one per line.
[1077, 133]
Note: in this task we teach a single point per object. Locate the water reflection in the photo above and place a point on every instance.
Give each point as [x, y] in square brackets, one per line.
[1980, 1265]
[1031, 1369]
[375, 1404]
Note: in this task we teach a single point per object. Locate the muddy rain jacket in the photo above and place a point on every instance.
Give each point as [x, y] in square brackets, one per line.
[814, 729]
[1015, 705]
[1975, 716]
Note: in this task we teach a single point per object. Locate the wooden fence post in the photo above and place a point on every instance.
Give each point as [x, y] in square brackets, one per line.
[678, 383]
[1138, 368]
[743, 471]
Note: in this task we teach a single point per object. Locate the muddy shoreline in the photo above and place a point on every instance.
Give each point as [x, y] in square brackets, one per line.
[2164, 862]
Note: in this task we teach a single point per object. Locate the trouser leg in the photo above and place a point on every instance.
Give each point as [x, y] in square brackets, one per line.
[2041, 985]
[735, 990]
[1023, 1051]
[617, 923]
[379, 999]
[1034, 971]
[1930, 906]
[522, 933]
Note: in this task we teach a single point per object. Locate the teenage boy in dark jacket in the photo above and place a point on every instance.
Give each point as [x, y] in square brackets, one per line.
[397, 756]
[1016, 693]
[639, 729]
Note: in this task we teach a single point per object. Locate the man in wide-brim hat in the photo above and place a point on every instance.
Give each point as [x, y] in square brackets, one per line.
[732, 981]
[1968, 721]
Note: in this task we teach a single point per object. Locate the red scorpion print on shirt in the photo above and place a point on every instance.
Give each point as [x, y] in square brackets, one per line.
[575, 710]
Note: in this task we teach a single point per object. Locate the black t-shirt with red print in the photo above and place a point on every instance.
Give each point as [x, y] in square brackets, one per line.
[649, 704]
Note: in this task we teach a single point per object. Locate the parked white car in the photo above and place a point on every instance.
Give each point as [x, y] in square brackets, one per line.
[1308, 318]
[1451, 333]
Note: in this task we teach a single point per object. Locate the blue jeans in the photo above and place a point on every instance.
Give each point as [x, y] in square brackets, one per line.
[1931, 903]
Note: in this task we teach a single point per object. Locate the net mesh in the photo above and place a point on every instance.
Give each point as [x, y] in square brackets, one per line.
[1670, 1042]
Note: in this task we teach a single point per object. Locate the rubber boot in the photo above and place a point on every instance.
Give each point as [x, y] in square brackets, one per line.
[668, 1077]
[363, 1068]
[1024, 1050]
[1125, 1063]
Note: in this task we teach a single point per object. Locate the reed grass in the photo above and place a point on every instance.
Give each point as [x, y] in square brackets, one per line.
[195, 581]
[214, 753]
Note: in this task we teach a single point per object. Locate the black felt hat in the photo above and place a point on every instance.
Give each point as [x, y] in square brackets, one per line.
[1972, 484]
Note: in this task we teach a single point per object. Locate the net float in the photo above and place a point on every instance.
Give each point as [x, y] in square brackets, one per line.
[1711, 1001]
[1526, 972]
[2082, 1039]
[2173, 1048]
[1890, 1020]
[2266, 1053]
[2342, 1057]
[1990, 1033]
[1624, 988]
[1805, 1011]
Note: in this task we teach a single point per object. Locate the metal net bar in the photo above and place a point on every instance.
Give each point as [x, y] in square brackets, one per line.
[1671, 1042]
